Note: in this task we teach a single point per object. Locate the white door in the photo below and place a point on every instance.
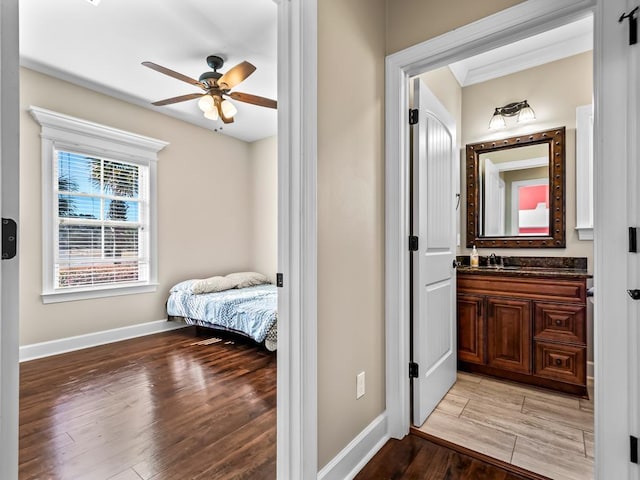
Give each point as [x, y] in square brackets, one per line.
[9, 151]
[434, 336]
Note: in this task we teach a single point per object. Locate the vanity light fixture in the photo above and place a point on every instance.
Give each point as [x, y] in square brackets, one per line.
[522, 109]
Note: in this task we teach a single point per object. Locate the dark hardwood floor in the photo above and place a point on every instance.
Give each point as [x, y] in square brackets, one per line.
[162, 408]
[152, 408]
[419, 459]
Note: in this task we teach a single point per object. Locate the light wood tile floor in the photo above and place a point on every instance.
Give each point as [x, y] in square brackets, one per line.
[542, 431]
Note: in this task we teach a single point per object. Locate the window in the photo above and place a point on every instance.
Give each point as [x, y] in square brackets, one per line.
[99, 212]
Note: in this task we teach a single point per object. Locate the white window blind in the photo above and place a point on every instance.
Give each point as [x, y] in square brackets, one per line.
[102, 221]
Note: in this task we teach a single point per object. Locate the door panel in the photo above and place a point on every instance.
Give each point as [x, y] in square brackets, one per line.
[434, 340]
[471, 328]
[509, 334]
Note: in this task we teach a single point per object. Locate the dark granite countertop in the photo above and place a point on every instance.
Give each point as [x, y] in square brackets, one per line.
[566, 267]
[517, 271]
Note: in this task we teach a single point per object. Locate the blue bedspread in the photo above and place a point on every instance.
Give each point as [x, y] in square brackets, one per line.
[251, 310]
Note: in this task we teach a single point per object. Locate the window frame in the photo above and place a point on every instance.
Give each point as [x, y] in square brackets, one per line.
[60, 132]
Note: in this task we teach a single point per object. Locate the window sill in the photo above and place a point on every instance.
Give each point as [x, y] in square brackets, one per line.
[585, 233]
[110, 291]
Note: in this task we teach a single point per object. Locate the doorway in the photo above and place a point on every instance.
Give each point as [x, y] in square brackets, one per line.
[486, 34]
[510, 418]
[297, 253]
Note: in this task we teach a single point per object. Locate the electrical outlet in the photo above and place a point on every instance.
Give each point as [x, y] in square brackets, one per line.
[359, 385]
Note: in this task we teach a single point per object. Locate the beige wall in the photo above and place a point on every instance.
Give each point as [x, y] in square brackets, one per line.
[410, 22]
[205, 190]
[350, 219]
[264, 173]
[554, 91]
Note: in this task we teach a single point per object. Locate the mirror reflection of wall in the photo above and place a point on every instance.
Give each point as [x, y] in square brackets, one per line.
[514, 186]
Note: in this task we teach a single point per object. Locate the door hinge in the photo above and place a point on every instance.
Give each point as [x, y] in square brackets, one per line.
[279, 280]
[9, 238]
[633, 449]
[413, 370]
[413, 116]
[413, 243]
[633, 25]
[633, 240]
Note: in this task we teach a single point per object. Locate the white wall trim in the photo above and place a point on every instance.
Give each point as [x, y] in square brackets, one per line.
[577, 40]
[525, 19]
[70, 344]
[346, 464]
[297, 442]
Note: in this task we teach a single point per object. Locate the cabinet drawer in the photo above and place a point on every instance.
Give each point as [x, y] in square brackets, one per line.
[560, 362]
[550, 289]
[563, 323]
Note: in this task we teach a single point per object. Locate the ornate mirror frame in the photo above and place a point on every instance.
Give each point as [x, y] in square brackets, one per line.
[556, 140]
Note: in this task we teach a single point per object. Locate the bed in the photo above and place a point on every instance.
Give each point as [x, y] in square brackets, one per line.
[248, 310]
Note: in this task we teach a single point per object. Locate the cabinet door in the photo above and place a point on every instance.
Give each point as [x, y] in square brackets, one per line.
[509, 334]
[471, 339]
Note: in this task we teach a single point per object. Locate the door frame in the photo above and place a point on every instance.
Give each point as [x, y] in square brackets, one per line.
[612, 344]
[9, 166]
[297, 437]
[297, 122]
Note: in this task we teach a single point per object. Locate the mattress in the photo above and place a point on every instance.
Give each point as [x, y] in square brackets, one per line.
[251, 310]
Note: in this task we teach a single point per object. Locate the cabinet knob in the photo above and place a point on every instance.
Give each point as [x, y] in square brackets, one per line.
[558, 362]
[558, 323]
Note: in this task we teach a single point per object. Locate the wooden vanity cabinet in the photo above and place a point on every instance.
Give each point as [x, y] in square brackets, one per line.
[527, 329]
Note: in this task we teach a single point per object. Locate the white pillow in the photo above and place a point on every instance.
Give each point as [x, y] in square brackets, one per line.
[247, 279]
[212, 284]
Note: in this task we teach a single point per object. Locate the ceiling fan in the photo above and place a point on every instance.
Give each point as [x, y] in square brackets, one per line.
[216, 85]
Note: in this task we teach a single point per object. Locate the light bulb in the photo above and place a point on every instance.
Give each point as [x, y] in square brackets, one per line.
[497, 121]
[212, 114]
[228, 109]
[526, 114]
[206, 103]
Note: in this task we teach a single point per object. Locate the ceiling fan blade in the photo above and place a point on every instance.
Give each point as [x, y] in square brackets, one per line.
[236, 75]
[217, 101]
[254, 99]
[181, 98]
[171, 73]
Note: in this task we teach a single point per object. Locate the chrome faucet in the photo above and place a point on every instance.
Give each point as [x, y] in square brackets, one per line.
[495, 261]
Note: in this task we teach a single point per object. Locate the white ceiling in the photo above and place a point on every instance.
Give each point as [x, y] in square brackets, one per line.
[102, 47]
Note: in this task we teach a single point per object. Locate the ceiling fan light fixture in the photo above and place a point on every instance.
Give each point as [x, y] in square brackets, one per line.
[212, 114]
[228, 109]
[206, 103]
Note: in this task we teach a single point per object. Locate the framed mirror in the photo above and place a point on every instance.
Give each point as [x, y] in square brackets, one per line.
[515, 191]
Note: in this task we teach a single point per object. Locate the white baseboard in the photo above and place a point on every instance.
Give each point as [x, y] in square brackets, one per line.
[353, 457]
[69, 344]
[590, 370]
